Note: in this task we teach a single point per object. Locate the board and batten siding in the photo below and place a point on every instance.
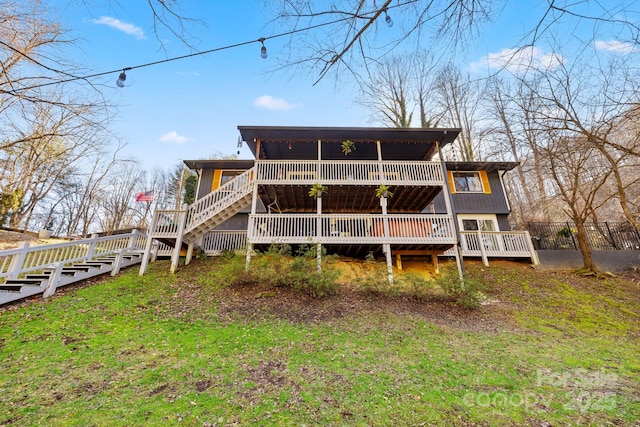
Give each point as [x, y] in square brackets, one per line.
[477, 203]
[206, 182]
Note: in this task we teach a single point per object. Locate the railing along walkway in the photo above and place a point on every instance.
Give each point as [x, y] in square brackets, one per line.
[30, 270]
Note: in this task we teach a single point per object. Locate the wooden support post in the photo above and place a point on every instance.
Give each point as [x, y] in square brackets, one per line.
[399, 261]
[387, 251]
[147, 249]
[17, 261]
[132, 240]
[91, 250]
[175, 257]
[248, 259]
[54, 279]
[534, 255]
[483, 251]
[189, 253]
[154, 251]
[117, 263]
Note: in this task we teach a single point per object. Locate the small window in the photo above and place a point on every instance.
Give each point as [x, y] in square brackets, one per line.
[467, 182]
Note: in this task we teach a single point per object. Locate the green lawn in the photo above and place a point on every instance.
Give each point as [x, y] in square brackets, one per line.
[550, 349]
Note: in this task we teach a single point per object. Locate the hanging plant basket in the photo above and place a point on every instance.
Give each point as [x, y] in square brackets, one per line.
[317, 190]
[383, 191]
[348, 146]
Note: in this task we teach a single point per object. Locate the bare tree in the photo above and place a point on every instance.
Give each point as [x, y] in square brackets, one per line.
[597, 104]
[389, 92]
[515, 136]
[459, 98]
[346, 35]
[117, 204]
[580, 178]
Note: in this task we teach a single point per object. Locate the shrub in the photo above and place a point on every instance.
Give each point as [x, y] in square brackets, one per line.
[468, 293]
[278, 268]
[418, 285]
[374, 279]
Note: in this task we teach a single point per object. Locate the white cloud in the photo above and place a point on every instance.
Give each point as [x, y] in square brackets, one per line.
[615, 46]
[271, 103]
[174, 137]
[119, 25]
[517, 60]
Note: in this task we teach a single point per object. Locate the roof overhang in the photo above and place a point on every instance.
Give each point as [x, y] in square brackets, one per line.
[481, 166]
[293, 142]
[219, 164]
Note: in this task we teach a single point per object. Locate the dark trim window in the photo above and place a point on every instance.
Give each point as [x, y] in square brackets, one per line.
[467, 182]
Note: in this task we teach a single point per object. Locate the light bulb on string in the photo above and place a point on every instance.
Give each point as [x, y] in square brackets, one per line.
[263, 49]
[122, 77]
[388, 19]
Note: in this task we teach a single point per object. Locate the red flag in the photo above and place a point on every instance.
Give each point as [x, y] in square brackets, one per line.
[147, 196]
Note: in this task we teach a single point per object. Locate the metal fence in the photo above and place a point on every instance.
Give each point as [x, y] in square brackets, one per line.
[601, 236]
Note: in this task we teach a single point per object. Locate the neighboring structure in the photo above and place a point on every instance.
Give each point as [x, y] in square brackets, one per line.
[256, 203]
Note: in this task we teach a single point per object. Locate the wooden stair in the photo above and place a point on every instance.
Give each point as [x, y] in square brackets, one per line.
[37, 283]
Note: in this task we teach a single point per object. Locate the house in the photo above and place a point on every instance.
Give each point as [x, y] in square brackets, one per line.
[256, 203]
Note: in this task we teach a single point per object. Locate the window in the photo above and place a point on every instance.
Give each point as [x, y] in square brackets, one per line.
[478, 224]
[221, 177]
[228, 175]
[467, 182]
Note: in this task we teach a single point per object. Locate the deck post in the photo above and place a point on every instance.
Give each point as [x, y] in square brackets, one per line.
[387, 246]
[248, 258]
[451, 211]
[91, 250]
[532, 250]
[175, 257]
[319, 231]
[17, 261]
[52, 282]
[483, 251]
[254, 207]
[147, 248]
[189, 253]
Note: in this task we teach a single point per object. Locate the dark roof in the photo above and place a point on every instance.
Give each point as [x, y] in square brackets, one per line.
[284, 142]
[481, 166]
[219, 164]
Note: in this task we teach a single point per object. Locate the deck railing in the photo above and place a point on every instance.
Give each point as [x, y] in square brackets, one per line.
[15, 263]
[165, 222]
[214, 242]
[499, 244]
[362, 172]
[351, 228]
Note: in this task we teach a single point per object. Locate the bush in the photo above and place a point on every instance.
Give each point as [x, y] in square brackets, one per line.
[277, 268]
[468, 294]
[418, 285]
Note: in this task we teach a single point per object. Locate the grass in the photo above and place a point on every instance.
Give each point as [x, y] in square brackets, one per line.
[187, 349]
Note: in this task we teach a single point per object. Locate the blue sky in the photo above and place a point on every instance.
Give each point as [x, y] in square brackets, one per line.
[190, 109]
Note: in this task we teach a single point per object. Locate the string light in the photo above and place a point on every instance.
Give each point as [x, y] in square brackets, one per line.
[388, 19]
[263, 49]
[263, 54]
[122, 77]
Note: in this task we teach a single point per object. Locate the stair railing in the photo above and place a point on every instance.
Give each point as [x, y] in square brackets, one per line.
[219, 199]
[14, 263]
